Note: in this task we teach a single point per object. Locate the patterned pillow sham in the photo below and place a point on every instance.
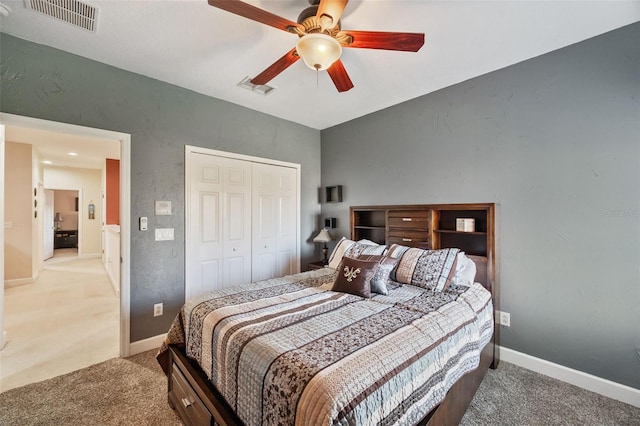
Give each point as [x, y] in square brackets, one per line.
[338, 252]
[429, 269]
[350, 248]
[396, 251]
[354, 276]
[380, 279]
[356, 249]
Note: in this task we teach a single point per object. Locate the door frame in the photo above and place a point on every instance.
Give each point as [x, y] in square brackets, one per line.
[125, 208]
[45, 219]
[188, 164]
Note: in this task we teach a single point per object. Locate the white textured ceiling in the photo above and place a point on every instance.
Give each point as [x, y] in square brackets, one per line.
[191, 44]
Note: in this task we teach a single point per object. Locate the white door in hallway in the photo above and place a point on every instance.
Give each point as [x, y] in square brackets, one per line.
[48, 226]
[274, 230]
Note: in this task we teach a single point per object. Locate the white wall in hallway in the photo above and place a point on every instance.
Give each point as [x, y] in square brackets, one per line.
[89, 183]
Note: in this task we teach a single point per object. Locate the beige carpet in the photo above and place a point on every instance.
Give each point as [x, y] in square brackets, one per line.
[133, 391]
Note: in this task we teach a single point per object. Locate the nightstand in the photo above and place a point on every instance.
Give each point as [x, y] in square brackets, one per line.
[316, 265]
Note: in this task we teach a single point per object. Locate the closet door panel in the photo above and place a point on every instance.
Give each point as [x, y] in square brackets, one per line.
[205, 219]
[274, 221]
[264, 237]
[287, 234]
[210, 273]
[237, 222]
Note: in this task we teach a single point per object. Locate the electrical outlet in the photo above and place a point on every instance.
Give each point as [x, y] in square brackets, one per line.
[157, 309]
[504, 318]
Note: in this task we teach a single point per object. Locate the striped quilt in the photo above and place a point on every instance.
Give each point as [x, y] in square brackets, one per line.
[291, 351]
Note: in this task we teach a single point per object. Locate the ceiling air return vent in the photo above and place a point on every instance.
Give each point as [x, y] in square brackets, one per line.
[74, 12]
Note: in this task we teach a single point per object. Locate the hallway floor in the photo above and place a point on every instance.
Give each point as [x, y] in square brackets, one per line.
[67, 320]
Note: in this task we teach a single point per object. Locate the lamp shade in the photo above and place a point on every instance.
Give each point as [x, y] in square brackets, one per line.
[319, 51]
[58, 217]
[323, 237]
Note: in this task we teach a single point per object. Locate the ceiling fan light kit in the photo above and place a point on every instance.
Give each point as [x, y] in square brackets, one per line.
[321, 38]
[319, 51]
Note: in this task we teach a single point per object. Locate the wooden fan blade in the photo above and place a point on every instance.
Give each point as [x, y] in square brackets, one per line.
[276, 68]
[339, 76]
[408, 42]
[332, 8]
[255, 13]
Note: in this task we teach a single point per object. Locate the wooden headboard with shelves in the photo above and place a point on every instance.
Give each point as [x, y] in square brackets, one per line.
[433, 226]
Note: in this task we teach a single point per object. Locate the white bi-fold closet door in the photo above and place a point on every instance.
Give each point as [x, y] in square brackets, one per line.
[274, 221]
[242, 220]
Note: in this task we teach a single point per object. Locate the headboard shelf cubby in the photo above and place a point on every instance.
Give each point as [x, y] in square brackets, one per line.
[428, 226]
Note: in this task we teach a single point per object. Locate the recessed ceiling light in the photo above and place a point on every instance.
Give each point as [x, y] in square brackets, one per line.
[73, 154]
[47, 162]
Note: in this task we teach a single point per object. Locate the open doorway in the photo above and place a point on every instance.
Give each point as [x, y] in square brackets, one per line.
[84, 210]
[63, 218]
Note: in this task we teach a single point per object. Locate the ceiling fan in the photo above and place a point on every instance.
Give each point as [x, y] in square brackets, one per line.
[321, 38]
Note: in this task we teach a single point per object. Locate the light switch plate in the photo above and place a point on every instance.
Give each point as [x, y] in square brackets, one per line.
[164, 234]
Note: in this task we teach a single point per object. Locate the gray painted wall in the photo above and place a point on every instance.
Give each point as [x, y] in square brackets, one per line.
[42, 82]
[555, 142]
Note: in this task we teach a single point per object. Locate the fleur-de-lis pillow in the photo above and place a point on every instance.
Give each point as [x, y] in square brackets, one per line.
[354, 276]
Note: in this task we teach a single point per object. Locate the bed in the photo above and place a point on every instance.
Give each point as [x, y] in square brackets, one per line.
[321, 347]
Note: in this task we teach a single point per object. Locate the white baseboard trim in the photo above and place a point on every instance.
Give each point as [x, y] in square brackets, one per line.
[146, 344]
[114, 284]
[90, 256]
[592, 383]
[18, 282]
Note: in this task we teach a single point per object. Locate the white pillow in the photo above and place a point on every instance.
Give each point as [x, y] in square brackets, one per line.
[338, 252]
[465, 271]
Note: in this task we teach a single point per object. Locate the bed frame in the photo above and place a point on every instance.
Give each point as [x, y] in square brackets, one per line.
[198, 402]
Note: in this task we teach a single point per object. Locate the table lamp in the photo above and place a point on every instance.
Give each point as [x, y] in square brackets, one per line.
[323, 237]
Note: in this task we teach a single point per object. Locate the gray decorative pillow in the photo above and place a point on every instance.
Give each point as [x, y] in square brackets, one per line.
[381, 277]
[354, 276]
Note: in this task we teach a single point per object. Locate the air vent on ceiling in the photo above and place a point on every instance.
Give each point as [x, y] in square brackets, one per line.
[263, 89]
[74, 12]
